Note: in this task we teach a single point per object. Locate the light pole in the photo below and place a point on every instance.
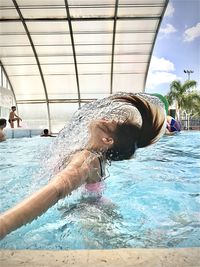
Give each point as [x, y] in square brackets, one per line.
[188, 115]
[188, 73]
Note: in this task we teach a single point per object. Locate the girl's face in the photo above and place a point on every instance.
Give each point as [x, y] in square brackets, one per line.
[101, 133]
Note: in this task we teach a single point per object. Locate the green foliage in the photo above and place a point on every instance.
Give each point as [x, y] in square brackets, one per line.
[192, 104]
[186, 97]
[179, 90]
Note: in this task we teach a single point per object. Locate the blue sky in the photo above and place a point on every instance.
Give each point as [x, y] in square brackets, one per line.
[177, 46]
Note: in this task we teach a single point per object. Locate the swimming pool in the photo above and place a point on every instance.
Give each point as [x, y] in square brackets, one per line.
[150, 201]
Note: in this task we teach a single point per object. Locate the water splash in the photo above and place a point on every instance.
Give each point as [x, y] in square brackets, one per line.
[75, 135]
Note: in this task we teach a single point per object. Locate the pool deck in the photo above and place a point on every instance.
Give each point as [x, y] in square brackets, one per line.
[179, 257]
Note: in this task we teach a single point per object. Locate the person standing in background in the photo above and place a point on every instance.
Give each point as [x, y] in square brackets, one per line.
[14, 117]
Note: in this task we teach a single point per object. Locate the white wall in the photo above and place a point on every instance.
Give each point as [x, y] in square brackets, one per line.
[6, 102]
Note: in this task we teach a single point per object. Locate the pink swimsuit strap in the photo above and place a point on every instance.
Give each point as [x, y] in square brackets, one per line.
[95, 187]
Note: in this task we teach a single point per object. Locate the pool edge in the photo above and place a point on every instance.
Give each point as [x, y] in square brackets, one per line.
[178, 257]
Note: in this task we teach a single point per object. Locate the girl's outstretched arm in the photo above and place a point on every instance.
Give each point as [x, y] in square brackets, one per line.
[74, 175]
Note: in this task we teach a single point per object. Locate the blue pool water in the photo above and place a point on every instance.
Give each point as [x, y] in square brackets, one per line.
[152, 200]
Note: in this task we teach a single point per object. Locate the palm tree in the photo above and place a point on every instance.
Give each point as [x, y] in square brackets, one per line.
[178, 92]
[192, 104]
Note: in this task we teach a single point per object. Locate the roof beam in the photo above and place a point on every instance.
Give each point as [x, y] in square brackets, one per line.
[77, 32]
[73, 49]
[64, 100]
[83, 74]
[71, 63]
[80, 55]
[113, 46]
[36, 58]
[153, 44]
[81, 19]
[94, 5]
[80, 44]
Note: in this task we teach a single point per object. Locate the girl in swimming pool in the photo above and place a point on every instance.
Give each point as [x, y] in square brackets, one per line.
[109, 140]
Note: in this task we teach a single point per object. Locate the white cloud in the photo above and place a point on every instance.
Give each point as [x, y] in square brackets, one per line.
[160, 72]
[161, 64]
[169, 11]
[168, 29]
[192, 33]
[160, 77]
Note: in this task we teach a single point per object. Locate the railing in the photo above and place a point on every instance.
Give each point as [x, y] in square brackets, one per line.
[190, 124]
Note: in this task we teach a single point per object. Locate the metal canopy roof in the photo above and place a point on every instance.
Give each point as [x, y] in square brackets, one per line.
[71, 51]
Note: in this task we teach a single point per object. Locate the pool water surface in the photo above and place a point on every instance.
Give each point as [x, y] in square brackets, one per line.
[152, 200]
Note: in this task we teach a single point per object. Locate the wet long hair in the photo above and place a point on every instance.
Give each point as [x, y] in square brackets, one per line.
[128, 137]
